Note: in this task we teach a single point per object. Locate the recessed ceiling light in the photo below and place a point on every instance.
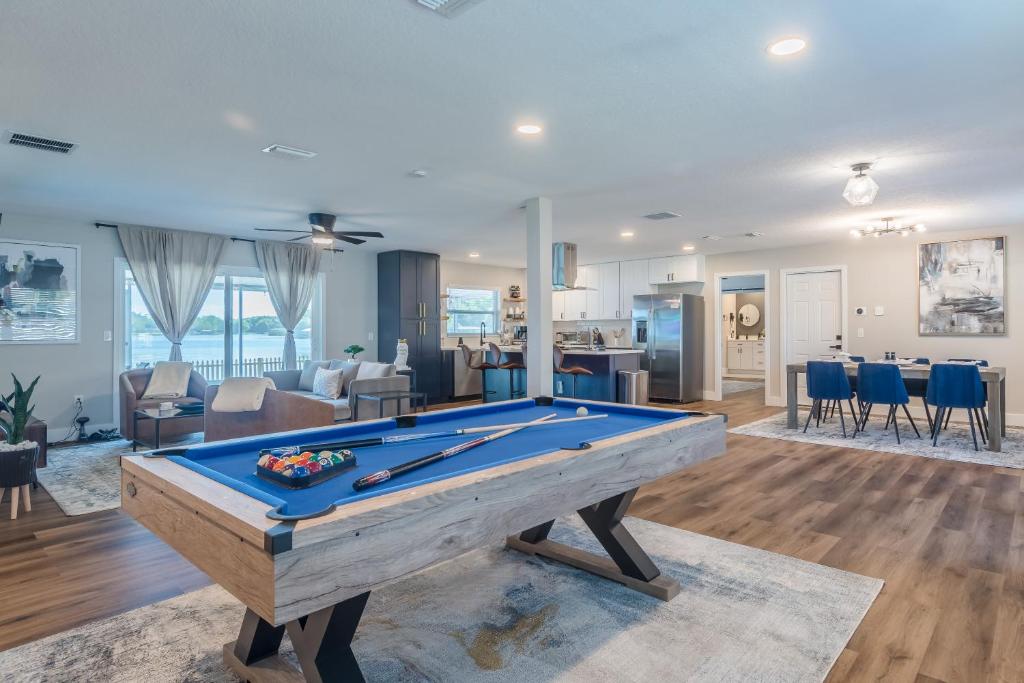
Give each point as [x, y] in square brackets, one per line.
[626, 233]
[529, 129]
[474, 254]
[787, 46]
[688, 247]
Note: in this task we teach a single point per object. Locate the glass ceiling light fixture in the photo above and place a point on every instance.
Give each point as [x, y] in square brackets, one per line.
[861, 189]
[892, 227]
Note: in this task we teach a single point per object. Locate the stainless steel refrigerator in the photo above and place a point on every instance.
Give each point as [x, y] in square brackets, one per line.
[669, 329]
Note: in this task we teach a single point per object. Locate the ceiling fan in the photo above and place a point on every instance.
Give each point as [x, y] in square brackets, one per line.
[323, 234]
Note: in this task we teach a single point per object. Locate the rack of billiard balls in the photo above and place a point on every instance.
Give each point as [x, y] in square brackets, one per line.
[290, 467]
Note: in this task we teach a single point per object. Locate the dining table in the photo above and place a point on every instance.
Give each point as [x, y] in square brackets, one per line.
[994, 379]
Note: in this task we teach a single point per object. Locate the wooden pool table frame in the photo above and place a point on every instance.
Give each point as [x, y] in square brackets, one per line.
[315, 575]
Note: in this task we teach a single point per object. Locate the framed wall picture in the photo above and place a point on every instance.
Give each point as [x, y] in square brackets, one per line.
[39, 288]
[962, 287]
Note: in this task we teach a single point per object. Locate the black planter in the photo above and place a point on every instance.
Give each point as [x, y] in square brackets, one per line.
[17, 468]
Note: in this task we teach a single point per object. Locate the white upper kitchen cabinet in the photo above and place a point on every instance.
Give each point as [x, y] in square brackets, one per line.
[676, 269]
[557, 306]
[634, 280]
[609, 307]
[590, 277]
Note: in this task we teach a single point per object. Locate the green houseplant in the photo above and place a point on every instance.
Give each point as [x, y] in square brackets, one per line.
[354, 349]
[20, 411]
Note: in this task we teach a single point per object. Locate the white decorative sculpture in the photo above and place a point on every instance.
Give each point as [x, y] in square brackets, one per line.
[402, 355]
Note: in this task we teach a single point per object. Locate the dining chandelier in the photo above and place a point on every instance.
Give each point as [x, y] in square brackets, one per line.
[891, 227]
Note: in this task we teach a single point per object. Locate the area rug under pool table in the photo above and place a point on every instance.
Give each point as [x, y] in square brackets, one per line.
[497, 615]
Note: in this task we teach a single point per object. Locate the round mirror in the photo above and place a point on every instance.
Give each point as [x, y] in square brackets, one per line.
[749, 315]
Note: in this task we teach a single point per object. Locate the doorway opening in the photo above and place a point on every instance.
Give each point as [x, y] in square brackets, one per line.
[742, 340]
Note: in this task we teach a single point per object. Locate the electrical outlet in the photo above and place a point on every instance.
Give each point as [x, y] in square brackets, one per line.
[78, 401]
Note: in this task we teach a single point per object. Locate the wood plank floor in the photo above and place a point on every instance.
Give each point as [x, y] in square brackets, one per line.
[947, 537]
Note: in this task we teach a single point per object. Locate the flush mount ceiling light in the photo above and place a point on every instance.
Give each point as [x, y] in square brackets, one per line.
[891, 227]
[626, 233]
[861, 189]
[787, 46]
[474, 254]
[529, 129]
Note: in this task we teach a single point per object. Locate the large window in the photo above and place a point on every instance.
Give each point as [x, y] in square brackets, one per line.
[252, 344]
[468, 307]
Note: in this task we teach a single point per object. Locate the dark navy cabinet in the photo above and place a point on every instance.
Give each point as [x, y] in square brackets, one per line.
[409, 307]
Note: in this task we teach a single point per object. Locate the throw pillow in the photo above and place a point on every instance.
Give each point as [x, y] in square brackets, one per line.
[327, 383]
[241, 394]
[309, 372]
[349, 371]
[169, 380]
[374, 370]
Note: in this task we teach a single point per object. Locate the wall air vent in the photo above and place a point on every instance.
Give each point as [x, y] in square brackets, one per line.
[288, 152]
[36, 142]
[753, 235]
[661, 216]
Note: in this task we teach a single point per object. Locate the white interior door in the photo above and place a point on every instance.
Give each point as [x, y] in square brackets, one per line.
[813, 318]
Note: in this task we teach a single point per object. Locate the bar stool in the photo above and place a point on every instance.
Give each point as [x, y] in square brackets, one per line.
[482, 366]
[511, 366]
[573, 370]
[882, 383]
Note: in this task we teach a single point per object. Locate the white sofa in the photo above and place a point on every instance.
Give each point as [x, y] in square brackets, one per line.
[369, 377]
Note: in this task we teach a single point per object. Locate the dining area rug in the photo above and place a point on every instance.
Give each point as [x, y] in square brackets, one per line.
[494, 614]
[954, 443]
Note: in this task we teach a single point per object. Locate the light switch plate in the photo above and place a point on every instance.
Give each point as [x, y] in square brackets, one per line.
[860, 332]
[108, 335]
[879, 310]
[370, 336]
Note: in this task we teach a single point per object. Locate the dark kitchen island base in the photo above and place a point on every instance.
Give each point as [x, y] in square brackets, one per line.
[601, 386]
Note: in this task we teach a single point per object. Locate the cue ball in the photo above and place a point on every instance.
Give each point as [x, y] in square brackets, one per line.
[581, 411]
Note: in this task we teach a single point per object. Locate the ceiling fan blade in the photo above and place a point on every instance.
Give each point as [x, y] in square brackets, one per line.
[296, 239]
[280, 230]
[358, 234]
[350, 240]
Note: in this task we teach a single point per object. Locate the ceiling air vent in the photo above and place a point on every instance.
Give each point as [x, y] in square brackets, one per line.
[288, 152]
[661, 216]
[35, 142]
[447, 8]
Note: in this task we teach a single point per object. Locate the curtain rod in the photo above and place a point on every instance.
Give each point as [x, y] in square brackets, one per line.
[233, 239]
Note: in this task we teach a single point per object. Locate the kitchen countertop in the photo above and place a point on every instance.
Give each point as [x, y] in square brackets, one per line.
[611, 351]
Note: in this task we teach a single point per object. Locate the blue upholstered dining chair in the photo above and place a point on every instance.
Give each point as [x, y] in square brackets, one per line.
[953, 386]
[983, 422]
[918, 388]
[827, 381]
[882, 383]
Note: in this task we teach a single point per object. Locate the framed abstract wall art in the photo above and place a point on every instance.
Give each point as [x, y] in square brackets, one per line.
[962, 287]
[39, 292]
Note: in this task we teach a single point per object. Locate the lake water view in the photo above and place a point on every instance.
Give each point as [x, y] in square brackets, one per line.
[150, 348]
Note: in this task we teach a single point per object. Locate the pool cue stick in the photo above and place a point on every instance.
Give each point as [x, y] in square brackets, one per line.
[403, 438]
[385, 475]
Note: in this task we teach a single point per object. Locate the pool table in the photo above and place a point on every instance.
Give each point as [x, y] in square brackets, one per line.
[305, 561]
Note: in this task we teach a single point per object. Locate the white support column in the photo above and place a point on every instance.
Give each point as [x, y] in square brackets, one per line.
[538, 291]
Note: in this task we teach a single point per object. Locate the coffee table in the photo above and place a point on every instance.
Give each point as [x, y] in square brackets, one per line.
[158, 417]
[414, 398]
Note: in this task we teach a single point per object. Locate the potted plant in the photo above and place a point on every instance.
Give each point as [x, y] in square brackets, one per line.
[17, 454]
[354, 349]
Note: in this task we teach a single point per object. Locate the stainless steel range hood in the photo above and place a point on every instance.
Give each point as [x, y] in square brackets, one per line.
[564, 270]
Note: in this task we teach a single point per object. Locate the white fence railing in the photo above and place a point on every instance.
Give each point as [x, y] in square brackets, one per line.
[213, 370]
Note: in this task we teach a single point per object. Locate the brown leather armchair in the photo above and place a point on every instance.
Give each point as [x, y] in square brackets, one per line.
[132, 384]
[281, 412]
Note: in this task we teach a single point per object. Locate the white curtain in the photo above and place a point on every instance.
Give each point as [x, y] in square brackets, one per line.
[174, 271]
[290, 271]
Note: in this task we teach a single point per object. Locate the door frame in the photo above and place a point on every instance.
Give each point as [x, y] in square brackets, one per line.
[718, 361]
[784, 274]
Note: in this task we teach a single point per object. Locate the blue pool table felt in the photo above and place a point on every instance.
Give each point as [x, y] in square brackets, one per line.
[234, 463]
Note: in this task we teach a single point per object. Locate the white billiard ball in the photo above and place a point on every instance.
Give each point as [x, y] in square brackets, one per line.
[581, 412]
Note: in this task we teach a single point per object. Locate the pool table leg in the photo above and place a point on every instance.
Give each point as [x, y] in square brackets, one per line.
[629, 564]
[322, 642]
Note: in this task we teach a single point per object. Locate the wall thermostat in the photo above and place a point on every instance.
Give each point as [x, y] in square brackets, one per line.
[860, 310]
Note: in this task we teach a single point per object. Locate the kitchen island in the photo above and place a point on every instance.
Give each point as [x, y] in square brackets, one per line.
[601, 386]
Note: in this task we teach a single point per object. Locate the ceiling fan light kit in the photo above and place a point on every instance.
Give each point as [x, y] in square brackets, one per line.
[322, 233]
[861, 189]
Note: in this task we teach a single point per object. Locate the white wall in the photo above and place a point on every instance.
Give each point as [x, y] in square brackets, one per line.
[884, 272]
[87, 368]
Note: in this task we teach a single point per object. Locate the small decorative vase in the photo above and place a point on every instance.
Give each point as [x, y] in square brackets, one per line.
[402, 355]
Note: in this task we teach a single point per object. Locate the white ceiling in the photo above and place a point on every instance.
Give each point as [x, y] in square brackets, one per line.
[648, 106]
